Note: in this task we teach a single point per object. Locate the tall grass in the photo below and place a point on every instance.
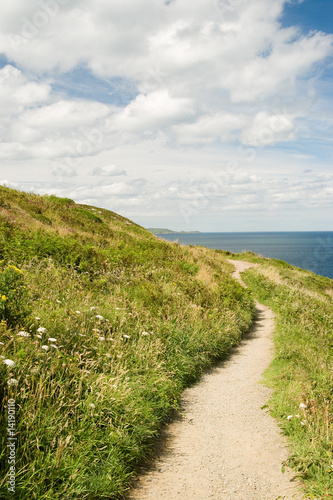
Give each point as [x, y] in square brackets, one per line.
[107, 325]
[302, 371]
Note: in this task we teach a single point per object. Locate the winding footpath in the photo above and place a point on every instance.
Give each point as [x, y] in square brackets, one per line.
[224, 446]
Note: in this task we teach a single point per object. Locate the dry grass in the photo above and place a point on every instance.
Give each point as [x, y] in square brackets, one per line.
[205, 275]
[278, 277]
[272, 274]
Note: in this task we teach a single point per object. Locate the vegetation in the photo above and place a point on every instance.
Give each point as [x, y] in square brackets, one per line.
[159, 230]
[302, 371]
[102, 327]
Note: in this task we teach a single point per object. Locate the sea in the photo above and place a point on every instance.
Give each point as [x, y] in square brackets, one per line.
[309, 250]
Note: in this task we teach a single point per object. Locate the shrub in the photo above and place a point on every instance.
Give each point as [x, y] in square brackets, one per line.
[89, 215]
[60, 201]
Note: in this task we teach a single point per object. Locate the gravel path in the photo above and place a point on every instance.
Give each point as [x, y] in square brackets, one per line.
[223, 446]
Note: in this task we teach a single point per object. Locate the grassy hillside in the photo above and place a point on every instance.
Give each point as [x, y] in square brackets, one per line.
[301, 374]
[102, 326]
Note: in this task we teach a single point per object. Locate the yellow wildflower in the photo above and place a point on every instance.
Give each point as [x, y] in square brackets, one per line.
[14, 267]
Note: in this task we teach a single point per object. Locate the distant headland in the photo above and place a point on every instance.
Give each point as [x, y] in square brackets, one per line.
[159, 230]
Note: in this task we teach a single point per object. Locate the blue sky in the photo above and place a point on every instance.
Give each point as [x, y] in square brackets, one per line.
[309, 15]
[81, 83]
[214, 115]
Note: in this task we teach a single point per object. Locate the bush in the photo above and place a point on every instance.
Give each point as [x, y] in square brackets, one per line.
[89, 215]
[60, 201]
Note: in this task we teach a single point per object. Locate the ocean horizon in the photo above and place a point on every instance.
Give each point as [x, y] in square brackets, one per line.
[310, 250]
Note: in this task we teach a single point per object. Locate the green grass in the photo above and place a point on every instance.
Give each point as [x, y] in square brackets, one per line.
[135, 320]
[302, 371]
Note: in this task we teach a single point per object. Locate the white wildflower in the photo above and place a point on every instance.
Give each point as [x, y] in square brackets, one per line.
[39, 336]
[289, 417]
[1, 343]
[23, 334]
[98, 316]
[36, 317]
[297, 416]
[92, 405]
[51, 339]
[302, 422]
[58, 301]
[126, 336]
[78, 312]
[108, 355]
[45, 347]
[92, 308]
[303, 406]
[12, 381]
[10, 363]
[54, 346]
[96, 330]
[101, 339]
[145, 334]
[111, 339]
[81, 335]
[41, 329]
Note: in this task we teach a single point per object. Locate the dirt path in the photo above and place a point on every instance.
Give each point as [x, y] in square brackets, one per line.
[223, 446]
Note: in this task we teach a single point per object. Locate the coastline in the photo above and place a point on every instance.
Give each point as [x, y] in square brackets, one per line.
[309, 250]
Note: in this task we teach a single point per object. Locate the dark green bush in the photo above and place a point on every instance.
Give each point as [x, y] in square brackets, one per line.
[60, 201]
[89, 215]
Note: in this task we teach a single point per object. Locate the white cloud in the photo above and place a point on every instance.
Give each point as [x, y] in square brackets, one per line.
[58, 127]
[65, 115]
[97, 192]
[210, 76]
[186, 44]
[268, 129]
[108, 171]
[192, 61]
[17, 92]
[60, 171]
[259, 77]
[210, 127]
[151, 113]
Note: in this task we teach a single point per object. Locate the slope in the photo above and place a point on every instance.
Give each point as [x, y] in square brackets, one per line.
[102, 327]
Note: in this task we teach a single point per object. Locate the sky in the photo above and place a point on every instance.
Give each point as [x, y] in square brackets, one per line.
[209, 115]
